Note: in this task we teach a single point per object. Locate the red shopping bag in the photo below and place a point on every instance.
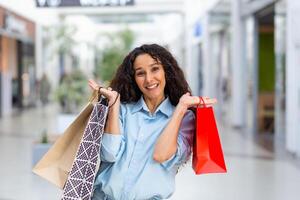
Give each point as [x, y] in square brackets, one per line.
[207, 151]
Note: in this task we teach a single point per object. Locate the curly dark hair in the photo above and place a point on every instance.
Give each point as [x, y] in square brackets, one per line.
[124, 80]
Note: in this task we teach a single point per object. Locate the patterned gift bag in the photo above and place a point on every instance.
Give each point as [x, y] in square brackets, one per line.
[79, 185]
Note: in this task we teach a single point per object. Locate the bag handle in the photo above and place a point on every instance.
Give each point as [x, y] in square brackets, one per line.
[201, 100]
[94, 95]
[101, 98]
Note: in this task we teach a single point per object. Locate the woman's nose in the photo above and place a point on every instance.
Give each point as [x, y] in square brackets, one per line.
[149, 77]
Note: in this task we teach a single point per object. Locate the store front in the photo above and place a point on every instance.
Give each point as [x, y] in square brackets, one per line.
[270, 72]
[265, 36]
[17, 62]
[266, 70]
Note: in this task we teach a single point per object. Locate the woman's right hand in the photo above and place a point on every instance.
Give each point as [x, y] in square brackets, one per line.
[188, 101]
[112, 96]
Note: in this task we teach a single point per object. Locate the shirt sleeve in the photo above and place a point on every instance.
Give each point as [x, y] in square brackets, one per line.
[113, 145]
[184, 142]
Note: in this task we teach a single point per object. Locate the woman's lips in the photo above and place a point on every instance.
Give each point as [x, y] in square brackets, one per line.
[152, 86]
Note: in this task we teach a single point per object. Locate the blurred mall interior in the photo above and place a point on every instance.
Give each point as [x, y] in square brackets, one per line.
[245, 53]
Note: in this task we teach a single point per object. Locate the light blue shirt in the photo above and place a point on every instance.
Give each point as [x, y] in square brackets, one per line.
[128, 171]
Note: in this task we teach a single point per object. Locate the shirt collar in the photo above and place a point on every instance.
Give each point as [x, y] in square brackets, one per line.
[165, 107]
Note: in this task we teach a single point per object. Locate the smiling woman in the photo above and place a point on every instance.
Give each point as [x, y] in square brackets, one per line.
[150, 78]
[149, 129]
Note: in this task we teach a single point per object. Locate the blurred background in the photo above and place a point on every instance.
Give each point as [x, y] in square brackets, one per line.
[245, 53]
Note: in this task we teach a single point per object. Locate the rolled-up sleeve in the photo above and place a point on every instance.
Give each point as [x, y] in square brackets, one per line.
[184, 142]
[113, 145]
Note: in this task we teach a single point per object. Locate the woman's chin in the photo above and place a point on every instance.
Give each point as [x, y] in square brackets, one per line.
[153, 96]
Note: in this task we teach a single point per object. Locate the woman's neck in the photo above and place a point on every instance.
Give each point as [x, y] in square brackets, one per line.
[153, 104]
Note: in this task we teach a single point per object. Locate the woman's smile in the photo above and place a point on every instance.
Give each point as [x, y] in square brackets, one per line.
[152, 86]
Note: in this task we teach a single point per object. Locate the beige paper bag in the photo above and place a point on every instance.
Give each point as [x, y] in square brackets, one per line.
[57, 162]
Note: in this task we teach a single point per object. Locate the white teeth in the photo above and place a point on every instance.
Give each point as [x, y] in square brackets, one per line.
[152, 86]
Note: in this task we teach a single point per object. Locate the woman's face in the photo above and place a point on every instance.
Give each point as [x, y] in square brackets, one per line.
[150, 77]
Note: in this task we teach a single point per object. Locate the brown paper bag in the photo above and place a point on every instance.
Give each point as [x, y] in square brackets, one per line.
[57, 162]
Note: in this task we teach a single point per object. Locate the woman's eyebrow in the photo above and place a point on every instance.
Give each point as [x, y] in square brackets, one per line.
[153, 64]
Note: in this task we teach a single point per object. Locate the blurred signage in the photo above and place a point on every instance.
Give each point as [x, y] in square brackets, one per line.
[14, 24]
[83, 3]
[198, 29]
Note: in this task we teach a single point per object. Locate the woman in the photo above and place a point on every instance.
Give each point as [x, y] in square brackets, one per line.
[149, 129]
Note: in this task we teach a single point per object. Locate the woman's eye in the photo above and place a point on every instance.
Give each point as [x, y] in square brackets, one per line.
[154, 69]
[140, 73]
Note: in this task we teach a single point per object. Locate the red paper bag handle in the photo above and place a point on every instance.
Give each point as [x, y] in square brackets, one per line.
[201, 100]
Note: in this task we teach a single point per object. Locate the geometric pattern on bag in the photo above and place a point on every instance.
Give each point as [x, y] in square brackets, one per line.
[79, 185]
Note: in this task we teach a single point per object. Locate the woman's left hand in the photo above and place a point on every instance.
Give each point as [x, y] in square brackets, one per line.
[112, 96]
[188, 101]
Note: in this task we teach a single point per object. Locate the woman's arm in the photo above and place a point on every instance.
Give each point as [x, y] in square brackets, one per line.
[112, 140]
[112, 125]
[166, 145]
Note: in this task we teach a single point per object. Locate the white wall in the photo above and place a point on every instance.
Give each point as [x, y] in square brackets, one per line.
[9, 63]
[6, 85]
[292, 77]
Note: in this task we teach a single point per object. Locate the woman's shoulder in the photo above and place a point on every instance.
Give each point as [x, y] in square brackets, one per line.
[125, 108]
[126, 105]
[189, 116]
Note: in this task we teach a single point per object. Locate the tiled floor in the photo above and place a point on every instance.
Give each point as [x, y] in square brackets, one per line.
[254, 173]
